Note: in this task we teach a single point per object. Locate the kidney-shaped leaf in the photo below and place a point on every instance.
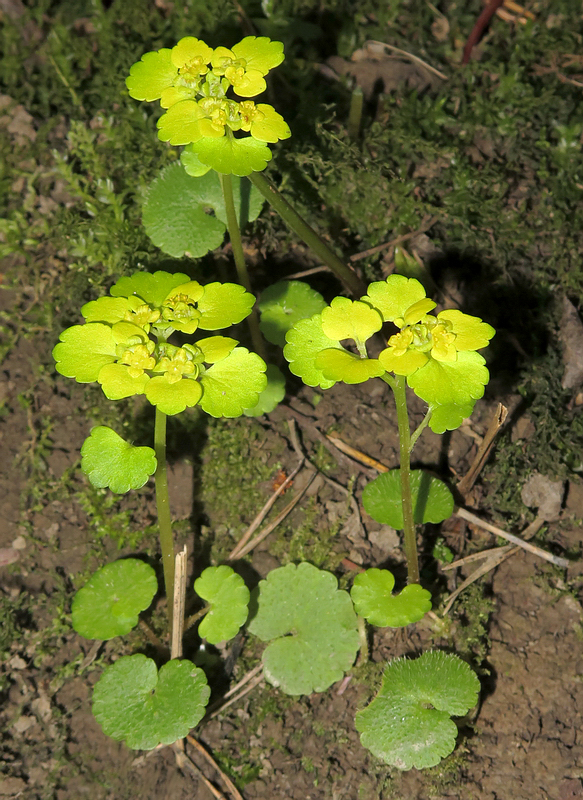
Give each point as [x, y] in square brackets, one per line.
[373, 598]
[432, 500]
[271, 396]
[108, 460]
[177, 211]
[134, 702]
[228, 597]
[408, 723]
[313, 626]
[283, 304]
[109, 603]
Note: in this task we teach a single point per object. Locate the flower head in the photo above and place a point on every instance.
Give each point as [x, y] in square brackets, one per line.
[191, 81]
[437, 353]
[115, 347]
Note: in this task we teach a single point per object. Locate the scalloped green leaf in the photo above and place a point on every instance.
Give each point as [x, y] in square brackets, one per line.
[408, 724]
[173, 398]
[457, 382]
[108, 460]
[151, 75]
[224, 304]
[432, 500]
[304, 342]
[449, 416]
[183, 214]
[153, 288]
[111, 600]
[283, 304]
[233, 156]
[134, 702]
[340, 365]
[350, 319]
[313, 627]
[373, 598]
[233, 384]
[393, 296]
[192, 163]
[84, 350]
[271, 396]
[228, 597]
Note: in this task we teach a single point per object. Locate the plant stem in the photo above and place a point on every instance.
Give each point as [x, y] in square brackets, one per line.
[240, 264]
[163, 508]
[419, 430]
[298, 225]
[397, 384]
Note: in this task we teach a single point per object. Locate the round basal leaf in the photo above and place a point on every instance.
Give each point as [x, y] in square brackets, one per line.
[134, 702]
[84, 350]
[153, 288]
[223, 304]
[350, 319]
[174, 214]
[408, 723]
[233, 384]
[450, 416]
[432, 500]
[340, 365]
[304, 342]
[111, 600]
[373, 598]
[108, 460]
[283, 304]
[233, 156]
[271, 396]
[313, 626]
[228, 597]
[177, 211]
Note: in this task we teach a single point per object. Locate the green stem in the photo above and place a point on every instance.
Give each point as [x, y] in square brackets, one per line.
[240, 264]
[417, 433]
[398, 386]
[163, 508]
[308, 234]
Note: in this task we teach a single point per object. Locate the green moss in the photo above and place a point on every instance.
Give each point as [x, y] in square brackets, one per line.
[473, 610]
[231, 493]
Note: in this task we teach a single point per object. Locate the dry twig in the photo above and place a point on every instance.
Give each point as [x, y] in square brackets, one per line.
[510, 537]
[484, 449]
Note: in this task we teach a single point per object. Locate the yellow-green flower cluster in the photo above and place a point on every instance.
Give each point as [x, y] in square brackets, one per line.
[114, 347]
[192, 80]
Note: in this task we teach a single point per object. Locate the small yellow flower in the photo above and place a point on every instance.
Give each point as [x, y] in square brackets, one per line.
[176, 366]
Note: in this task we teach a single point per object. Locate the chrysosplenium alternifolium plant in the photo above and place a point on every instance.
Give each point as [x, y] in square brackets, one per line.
[312, 629]
[193, 81]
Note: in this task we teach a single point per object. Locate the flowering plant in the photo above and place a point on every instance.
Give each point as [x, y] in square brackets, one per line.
[192, 82]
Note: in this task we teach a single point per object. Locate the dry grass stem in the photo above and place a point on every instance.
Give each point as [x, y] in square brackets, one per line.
[510, 537]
